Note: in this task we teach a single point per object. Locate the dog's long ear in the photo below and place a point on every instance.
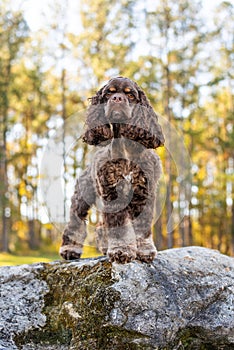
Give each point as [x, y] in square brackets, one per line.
[97, 99]
[143, 100]
[149, 121]
[155, 129]
[98, 129]
[144, 127]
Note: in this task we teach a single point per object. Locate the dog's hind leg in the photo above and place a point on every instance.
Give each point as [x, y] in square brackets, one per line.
[101, 238]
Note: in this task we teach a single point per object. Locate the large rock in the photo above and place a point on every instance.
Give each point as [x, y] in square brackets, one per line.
[183, 300]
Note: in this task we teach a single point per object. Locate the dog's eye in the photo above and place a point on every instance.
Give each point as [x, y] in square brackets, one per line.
[131, 96]
[128, 92]
[108, 95]
[109, 92]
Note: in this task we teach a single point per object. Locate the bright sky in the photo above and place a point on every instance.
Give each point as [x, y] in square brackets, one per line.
[37, 13]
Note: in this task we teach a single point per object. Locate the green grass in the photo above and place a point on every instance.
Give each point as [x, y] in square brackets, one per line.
[10, 259]
[7, 259]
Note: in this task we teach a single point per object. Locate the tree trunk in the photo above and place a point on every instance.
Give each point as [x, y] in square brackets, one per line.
[168, 162]
[33, 241]
[64, 115]
[3, 172]
[232, 228]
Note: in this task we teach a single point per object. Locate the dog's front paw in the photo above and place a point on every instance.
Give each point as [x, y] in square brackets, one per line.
[121, 255]
[146, 250]
[70, 252]
[146, 257]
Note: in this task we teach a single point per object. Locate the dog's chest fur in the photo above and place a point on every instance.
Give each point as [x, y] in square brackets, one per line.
[119, 172]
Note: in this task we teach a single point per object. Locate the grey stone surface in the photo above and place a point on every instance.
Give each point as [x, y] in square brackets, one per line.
[183, 300]
[21, 302]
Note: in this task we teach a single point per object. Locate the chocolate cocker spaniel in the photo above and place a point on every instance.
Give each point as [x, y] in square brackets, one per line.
[122, 178]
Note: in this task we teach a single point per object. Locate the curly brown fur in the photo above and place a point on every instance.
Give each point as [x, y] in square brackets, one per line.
[123, 175]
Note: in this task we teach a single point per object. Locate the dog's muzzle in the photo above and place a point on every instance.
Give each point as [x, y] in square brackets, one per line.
[117, 108]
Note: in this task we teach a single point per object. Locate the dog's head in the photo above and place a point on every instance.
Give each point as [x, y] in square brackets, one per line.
[121, 109]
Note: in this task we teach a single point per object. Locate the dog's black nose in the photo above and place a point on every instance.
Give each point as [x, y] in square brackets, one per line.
[118, 98]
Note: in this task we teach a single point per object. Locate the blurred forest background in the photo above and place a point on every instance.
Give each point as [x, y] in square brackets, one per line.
[56, 54]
